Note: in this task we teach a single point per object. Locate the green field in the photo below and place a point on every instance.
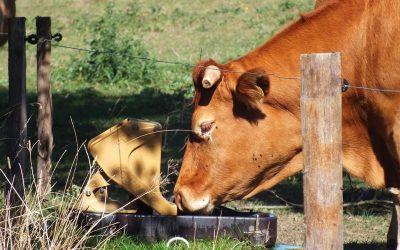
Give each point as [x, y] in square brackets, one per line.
[178, 31]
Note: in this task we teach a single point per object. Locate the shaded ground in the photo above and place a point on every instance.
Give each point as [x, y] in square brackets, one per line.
[365, 226]
[93, 112]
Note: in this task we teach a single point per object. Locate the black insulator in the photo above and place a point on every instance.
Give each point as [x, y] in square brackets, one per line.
[32, 39]
[345, 85]
[57, 37]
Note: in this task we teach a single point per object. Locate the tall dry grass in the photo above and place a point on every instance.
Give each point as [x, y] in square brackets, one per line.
[48, 221]
[52, 221]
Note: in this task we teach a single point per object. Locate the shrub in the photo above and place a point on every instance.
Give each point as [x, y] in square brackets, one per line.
[116, 59]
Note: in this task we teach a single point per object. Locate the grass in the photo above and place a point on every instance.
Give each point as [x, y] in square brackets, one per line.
[44, 222]
[176, 30]
[128, 243]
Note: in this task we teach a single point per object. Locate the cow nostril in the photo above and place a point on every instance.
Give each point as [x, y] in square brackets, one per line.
[188, 203]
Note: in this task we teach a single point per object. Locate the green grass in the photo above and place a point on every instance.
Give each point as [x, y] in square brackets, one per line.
[173, 30]
[128, 243]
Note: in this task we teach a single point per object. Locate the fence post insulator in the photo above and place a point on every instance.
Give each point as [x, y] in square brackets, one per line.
[345, 85]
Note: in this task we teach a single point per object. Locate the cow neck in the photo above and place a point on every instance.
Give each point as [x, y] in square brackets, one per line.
[327, 29]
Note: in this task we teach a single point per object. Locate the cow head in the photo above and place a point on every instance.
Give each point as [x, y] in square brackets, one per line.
[240, 144]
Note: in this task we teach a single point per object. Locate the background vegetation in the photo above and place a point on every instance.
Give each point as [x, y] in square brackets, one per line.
[96, 90]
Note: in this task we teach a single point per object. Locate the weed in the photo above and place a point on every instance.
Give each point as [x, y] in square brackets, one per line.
[116, 59]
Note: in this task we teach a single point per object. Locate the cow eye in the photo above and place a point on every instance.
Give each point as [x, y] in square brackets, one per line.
[206, 127]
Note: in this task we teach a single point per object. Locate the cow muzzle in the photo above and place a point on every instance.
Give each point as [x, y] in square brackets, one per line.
[187, 202]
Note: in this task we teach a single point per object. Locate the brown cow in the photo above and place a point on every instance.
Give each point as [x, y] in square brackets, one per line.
[246, 126]
[7, 9]
[318, 3]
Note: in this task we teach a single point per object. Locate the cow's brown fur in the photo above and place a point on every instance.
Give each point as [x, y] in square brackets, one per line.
[256, 145]
[319, 3]
[7, 9]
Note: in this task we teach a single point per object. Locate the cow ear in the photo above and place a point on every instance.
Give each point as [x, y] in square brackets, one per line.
[252, 87]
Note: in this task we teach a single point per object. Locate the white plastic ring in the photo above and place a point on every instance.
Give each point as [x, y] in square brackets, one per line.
[178, 239]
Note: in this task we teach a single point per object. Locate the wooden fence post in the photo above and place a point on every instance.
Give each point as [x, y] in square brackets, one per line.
[17, 122]
[321, 107]
[44, 118]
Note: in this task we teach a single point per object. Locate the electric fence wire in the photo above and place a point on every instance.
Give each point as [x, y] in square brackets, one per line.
[222, 70]
[374, 89]
[189, 65]
[167, 62]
